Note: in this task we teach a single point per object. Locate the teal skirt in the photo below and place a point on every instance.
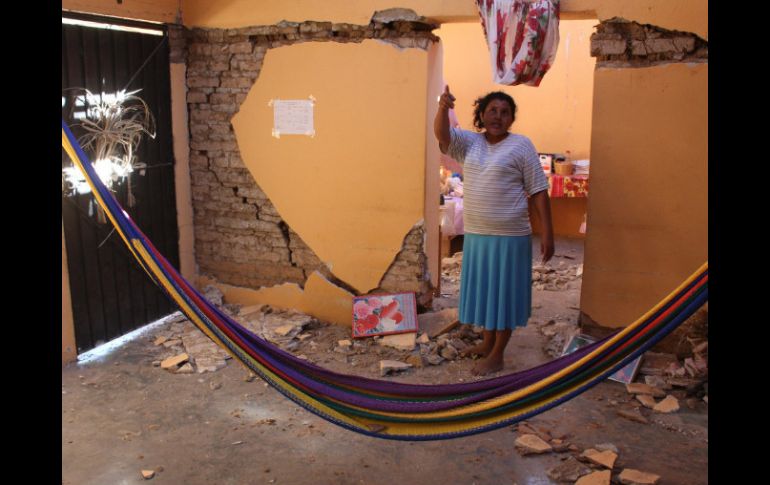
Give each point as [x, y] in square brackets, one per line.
[496, 281]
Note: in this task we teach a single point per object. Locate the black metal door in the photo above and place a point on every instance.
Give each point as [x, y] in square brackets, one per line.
[111, 294]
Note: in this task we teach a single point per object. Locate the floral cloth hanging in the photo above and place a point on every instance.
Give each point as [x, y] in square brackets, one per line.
[522, 36]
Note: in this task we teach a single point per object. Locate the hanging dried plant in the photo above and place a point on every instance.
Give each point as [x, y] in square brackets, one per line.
[114, 126]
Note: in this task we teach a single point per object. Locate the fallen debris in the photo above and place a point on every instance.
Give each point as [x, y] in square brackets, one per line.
[669, 405]
[629, 476]
[388, 366]
[639, 388]
[604, 458]
[173, 362]
[596, 478]
[646, 400]
[632, 415]
[531, 444]
[148, 474]
[403, 341]
[569, 471]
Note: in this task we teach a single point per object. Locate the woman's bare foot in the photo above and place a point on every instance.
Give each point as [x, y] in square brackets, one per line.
[488, 365]
[482, 350]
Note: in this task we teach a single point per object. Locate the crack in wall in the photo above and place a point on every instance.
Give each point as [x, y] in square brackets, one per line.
[254, 247]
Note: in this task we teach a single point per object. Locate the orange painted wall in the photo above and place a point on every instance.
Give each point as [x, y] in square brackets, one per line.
[355, 189]
[648, 210]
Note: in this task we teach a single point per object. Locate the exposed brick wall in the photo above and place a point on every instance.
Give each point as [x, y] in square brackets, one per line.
[240, 239]
[619, 42]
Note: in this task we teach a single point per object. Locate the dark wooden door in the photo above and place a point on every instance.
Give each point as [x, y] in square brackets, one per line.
[111, 294]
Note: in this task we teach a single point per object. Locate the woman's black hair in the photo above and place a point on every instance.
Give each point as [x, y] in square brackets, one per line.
[481, 104]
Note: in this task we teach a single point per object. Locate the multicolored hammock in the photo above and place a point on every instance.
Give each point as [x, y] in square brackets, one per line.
[392, 410]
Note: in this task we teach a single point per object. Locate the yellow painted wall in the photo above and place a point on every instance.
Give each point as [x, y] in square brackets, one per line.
[182, 188]
[648, 210]
[354, 190]
[320, 298]
[166, 11]
[68, 348]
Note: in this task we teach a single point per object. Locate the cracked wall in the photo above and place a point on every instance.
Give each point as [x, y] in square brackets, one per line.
[648, 209]
[261, 204]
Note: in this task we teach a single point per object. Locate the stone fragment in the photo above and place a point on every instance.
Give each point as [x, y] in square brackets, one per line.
[436, 323]
[449, 352]
[607, 446]
[596, 478]
[657, 381]
[147, 474]
[284, 330]
[160, 340]
[604, 458]
[646, 400]
[345, 343]
[415, 360]
[186, 369]
[632, 415]
[569, 471]
[639, 388]
[629, 476]
[172, 362]
[423, 339]
[434, 359]
[388, 366]
[215, 385]
[403, 341]
[669, 405]
[531, 444]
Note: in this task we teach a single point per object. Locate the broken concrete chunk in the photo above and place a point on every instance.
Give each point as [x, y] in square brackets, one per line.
[403, 341]
[160, 340]
[669, 405]
[434, 359]
[423, 339]
[436, 323]
[388, 366]
[646, 400]
[629, 476]
[173, 362]
[395, 14]
[147, 474]
[607, 446]
[449, 352]
[639, 388]
[569, 471]
[284, 330]
[596, 478]
[633, 416]
[657, 381]
[415, 360]
[530, 444]
[345, 343]
[604, 458]
[185, 369]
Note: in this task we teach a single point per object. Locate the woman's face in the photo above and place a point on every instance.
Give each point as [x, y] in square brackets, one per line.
[497, 118]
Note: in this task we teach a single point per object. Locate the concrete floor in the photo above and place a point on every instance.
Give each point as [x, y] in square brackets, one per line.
[121, 415]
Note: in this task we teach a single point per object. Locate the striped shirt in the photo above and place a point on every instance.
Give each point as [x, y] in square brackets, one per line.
[498, 178]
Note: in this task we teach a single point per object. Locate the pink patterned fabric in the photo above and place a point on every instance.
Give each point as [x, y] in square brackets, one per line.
[523, 36]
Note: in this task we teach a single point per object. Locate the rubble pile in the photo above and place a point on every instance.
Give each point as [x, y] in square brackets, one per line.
[546, 277]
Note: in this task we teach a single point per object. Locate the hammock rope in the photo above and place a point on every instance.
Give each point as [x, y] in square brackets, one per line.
[392, 410]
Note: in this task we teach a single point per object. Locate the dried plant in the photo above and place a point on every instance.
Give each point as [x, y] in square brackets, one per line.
[114, 126]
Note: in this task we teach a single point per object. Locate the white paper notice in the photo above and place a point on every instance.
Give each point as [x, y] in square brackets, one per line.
[293, 117]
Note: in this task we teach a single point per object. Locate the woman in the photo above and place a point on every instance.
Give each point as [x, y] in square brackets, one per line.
[501, 170]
